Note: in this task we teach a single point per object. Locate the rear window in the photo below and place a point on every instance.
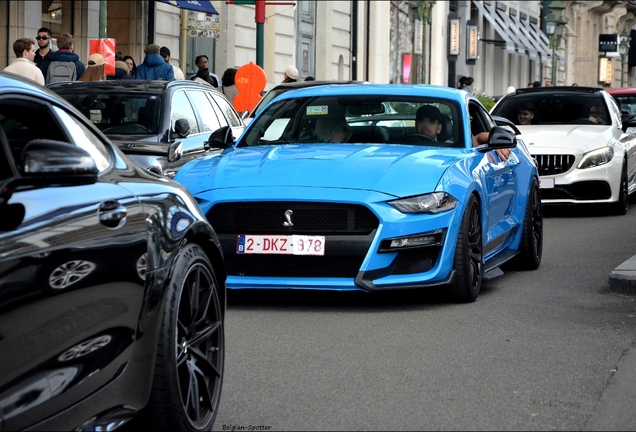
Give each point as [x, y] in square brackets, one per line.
[118, 113]
[554, 109]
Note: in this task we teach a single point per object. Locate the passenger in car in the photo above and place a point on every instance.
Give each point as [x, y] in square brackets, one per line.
[333, 130]
[526, 114]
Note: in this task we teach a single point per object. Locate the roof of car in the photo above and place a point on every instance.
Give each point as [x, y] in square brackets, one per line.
[622, 91]
[303, 84]
[552, 89]
[129, 85]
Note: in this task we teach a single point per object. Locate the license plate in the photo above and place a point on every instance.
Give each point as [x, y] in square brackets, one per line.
[280, 244]
[546, 183]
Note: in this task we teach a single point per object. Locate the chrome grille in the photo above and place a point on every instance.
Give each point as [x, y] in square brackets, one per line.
[553, 164]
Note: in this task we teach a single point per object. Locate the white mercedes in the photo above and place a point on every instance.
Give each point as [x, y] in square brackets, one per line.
[579, 142]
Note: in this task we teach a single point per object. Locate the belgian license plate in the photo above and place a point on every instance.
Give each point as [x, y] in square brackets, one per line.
[280, 244]
[546, 183]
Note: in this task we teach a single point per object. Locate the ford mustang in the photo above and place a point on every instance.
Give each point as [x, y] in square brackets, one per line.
[370, 187]
[579, 141]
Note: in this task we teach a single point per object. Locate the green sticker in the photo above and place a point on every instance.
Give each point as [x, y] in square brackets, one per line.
[318, 110]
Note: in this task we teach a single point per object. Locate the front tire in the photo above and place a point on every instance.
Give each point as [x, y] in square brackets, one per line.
[190, 357]
[469, 258]
[532, 236]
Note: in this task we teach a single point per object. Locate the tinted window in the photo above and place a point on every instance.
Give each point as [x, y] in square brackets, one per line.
[555, 108]
[227, 111]
[181, 109]
[206, 111]
[85, 139]
[121, 112]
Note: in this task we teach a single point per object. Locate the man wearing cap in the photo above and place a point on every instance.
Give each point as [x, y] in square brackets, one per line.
[290, 74]
[164, 52]
[24, 65]
[154, 67]
[202, 63]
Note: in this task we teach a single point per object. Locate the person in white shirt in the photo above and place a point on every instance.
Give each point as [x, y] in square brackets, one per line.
[164, 52]
[24, 65]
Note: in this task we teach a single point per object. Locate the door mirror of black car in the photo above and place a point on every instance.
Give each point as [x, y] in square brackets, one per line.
[182, 128]
[628, 121]
[175, 151]
[46, 162]
[220, 138]
[504, 122]
[499, 137]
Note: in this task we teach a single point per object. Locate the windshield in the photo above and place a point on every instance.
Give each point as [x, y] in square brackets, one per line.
[554, 108]
[267, 98]
[118, 113]
[358, 119]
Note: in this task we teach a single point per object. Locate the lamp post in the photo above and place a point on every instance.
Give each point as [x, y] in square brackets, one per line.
[554, 24]
[622, 50]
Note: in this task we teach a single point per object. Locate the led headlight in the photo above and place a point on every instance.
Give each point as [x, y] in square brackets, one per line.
[596, 157]
[435, 202]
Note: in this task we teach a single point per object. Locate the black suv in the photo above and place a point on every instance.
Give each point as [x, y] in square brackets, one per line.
[160, 125]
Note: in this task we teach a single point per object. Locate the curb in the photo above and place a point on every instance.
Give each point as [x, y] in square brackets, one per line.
[623, 279]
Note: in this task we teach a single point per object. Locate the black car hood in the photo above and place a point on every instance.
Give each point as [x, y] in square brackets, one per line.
[140, 144]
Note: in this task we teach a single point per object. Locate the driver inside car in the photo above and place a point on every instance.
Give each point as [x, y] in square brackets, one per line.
[428, 122]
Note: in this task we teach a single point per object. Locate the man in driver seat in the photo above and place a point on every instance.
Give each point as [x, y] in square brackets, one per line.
[428, 121]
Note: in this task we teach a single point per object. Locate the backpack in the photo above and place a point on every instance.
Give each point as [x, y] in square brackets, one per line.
[61, 71]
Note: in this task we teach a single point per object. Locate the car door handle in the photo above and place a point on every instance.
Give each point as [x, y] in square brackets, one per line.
[112, 214]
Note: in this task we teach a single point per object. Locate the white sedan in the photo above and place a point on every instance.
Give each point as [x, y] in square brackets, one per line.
[576, 136]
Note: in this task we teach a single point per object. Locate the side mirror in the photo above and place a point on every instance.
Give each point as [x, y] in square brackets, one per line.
[182, 128]
[47, 162]
[175, 151]
[499, 137]
[220, 138]
[504, 122]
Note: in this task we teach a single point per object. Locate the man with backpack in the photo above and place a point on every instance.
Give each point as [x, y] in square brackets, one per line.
[63, 64]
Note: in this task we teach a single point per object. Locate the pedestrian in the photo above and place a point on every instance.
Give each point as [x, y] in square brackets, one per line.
[122, 72]
[63, 64]
[530, 85]
[575, 85]
[154, 67]
[511, 89]
[536, 84]
[94, 69]
[132, 66]
[203, 75]
[290, 74]
[310, 78]
[202, 63]
[164, 52]
[548, 83]
[228, 87]
[24, 65]
[44, 45]
[466, 83]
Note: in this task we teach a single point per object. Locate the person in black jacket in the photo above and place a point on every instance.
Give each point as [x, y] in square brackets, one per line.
[122, 72]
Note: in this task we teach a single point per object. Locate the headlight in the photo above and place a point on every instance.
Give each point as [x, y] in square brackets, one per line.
[435, 202]
[596, 157]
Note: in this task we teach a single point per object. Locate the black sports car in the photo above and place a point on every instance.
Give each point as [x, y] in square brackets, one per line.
[112, 283]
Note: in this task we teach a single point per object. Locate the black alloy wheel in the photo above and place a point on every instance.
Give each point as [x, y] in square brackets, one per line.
[190, 358]
[532, 236]
[469, 258]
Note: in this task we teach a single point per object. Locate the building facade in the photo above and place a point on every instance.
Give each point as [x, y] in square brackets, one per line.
[395, 41]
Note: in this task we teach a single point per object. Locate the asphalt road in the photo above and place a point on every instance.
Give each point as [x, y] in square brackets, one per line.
[549, 349]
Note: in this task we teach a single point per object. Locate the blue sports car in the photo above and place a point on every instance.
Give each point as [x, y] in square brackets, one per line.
[370, 187]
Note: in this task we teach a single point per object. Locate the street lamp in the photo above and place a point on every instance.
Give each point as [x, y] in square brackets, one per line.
[554, 24]
[622, 50]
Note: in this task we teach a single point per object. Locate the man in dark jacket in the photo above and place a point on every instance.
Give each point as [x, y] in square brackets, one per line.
[64, 53]
[154, 67]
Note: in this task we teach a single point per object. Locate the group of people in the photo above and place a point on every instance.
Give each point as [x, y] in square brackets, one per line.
[44, 65]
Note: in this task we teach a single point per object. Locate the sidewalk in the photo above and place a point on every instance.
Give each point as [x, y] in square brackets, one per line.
[623, 279]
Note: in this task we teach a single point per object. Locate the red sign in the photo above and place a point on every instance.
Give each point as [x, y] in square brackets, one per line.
[250, 81]
[406, 68]
[105, 47]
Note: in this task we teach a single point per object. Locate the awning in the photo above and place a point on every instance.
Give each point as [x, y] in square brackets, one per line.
[543, 50]
[523, 41]
[510, 45]
[194, 5]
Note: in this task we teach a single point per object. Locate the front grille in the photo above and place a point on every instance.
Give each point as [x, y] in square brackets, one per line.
[348, 231]
[269, 217]
[415, 261]
[582, 191]
[553, 164]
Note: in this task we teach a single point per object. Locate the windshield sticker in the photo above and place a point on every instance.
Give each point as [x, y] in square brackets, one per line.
[96, 116]
[317, 110]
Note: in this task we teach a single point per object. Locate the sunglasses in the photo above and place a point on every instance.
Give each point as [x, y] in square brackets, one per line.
[42, 38]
